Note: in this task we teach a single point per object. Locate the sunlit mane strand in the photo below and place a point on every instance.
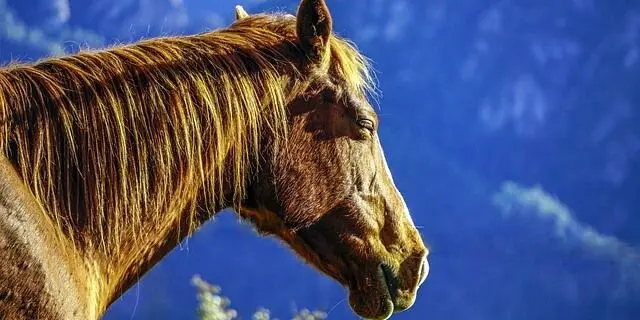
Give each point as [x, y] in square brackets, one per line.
[153, 128]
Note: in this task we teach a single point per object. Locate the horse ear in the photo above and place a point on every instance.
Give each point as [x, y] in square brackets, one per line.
[241, 13]
[314, 26]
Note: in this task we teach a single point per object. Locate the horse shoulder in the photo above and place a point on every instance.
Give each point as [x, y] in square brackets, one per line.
[37, 278]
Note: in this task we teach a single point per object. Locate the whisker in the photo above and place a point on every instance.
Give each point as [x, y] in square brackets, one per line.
[336, 305]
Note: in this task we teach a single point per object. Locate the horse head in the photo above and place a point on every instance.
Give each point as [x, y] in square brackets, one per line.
[328, 193]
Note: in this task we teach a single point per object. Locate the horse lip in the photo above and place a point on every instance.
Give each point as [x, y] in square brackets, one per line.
[424, 271]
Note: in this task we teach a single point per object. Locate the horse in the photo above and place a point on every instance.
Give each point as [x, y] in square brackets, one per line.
[112, 157]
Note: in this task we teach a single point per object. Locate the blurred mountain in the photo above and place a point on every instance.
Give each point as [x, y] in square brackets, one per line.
[510, 126]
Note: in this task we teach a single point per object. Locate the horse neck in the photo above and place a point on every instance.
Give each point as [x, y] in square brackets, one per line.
[140, 254]
[146, 252]
[109, 270]
[118, 252]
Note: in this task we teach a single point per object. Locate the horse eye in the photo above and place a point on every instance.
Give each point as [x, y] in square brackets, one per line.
[366, 124]
[330, 96]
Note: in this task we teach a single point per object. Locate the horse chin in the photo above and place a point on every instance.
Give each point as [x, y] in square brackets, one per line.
[374, 300]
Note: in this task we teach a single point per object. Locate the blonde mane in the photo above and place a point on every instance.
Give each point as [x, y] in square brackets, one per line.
[102, 138]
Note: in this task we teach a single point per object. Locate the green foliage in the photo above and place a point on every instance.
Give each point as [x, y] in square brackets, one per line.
[213, 306]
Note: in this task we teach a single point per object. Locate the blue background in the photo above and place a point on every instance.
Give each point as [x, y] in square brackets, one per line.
[511, 127]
